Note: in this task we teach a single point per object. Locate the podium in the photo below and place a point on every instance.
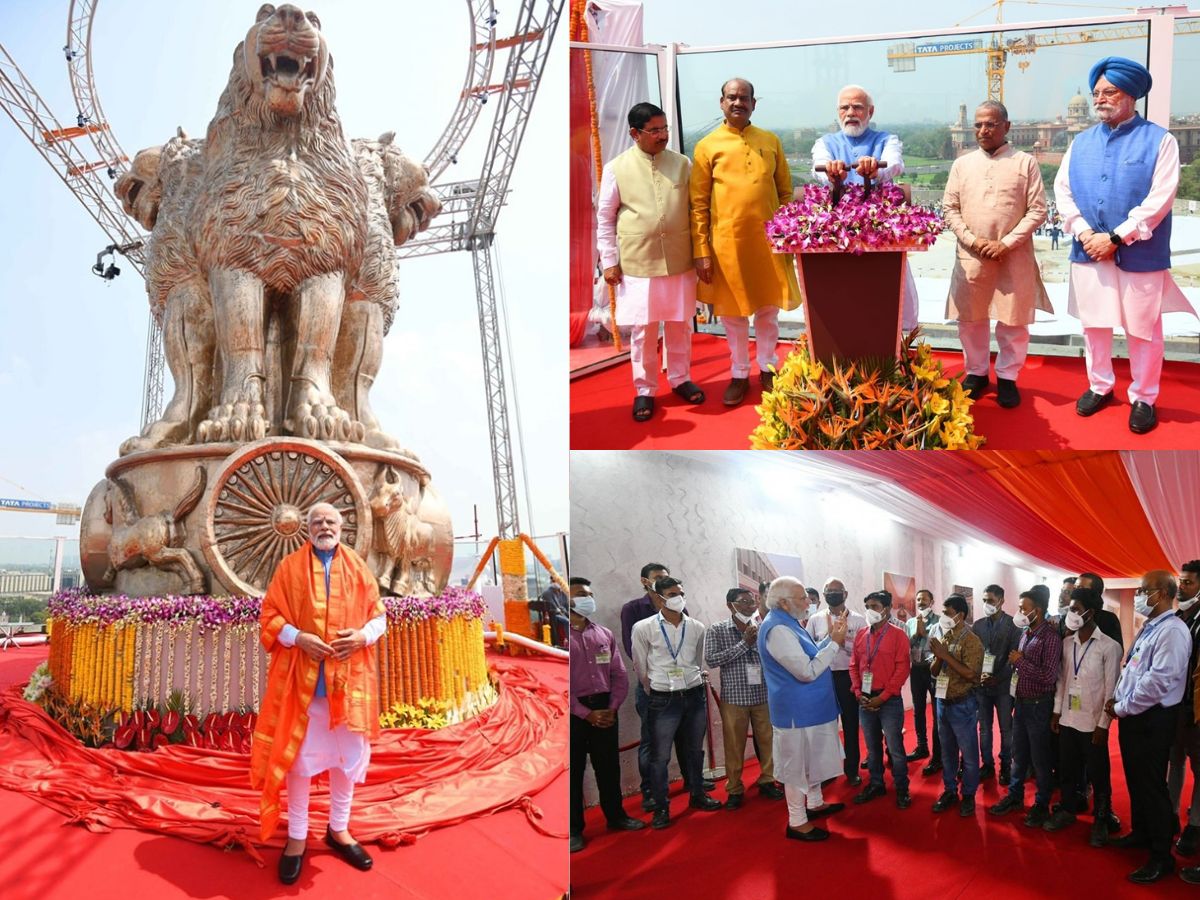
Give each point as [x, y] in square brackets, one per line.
[853, 302]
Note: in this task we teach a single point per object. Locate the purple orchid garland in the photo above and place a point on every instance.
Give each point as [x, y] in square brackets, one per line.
[884, 220]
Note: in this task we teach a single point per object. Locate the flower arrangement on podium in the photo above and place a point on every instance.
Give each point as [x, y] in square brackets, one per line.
[859, 221]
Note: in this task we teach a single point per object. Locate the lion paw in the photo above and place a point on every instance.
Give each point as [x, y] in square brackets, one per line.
[162, 433]
[323, 422]
[238, 419]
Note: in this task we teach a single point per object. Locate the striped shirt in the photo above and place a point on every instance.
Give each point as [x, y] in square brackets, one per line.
[725, 647]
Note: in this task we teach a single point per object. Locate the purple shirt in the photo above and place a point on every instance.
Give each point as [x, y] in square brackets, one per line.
[1037, 672]
[590, 673]
[631, 613]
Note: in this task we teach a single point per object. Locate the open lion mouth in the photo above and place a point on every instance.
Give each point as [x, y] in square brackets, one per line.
[287, 70]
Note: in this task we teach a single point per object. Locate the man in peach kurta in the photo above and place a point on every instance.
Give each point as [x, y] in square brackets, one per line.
[320, 618]
[740, 177]
[994, 201]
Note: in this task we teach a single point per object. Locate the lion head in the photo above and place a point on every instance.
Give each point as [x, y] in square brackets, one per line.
[140, 188]
[285, 57]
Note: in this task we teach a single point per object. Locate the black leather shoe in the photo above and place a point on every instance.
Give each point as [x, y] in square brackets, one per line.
[827, 810]
[771, 791]
[1037, 816]
[967, 808]
[662, 819]
[1098, 836]
[1189, 841]
[704, 802]
[1007, 394]
[919, 753]
[1190, 875]
[1151, 871]
[1059, 820]
[864, 764]
[289, 868]
[629, 823]
[904, 801]
[1129, 841]
[1089, 404]
[709, 786]
[815, 834]
[648, 805]
[1005, 806]
[975, 385]
[733, 801]
[944, 802]
[933, 768]
[577, 843]
[986, 773]
[854, 780]
[1142, 418]
[870, 792]
[354, 854]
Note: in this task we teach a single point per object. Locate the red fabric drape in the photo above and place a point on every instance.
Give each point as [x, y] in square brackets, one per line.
[1076, 508]
[417, 780]
[583, 226]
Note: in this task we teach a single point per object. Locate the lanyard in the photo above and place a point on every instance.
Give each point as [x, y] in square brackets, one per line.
[674, 651]
[871, 653]
[1078, 661]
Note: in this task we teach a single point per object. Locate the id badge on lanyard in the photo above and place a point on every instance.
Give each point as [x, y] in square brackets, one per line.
[1012, 689]
[943, 686]
[1075, 698]
[753, 674]
[989, 663]
[868, 679]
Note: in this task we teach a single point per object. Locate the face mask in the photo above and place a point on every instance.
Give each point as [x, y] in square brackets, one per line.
[812, 610]
[835, 598]
[874, 617]
[1021, 620]
[584, 606]
[1185, 605]
[990, 609]
[947, 623]
[1074, 621]
[1142, 605]
[743, 618]
[674, 604]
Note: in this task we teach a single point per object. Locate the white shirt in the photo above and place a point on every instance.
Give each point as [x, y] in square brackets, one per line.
[652, 658]
[1099, 662]
[818, 627]
[892, 156]
[786, 650]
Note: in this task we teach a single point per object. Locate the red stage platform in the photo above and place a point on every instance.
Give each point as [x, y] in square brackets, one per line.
[1045, 420]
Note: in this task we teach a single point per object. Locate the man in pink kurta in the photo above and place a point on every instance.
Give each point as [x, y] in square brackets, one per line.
[994, 201]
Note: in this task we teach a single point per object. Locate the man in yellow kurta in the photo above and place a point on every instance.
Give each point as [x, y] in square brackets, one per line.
[994, 201]
[320, 618]
[739, 178]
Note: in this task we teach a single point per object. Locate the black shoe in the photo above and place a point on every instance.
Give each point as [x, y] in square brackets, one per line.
[903, 801]
[648, 804]
[975, 385]
[854, 780]
[577, 844]
[1190, 875]
[932, 768]
[771, 791]
[1058, 820]
[626, 824]
[662, 818]
[1098, 836]
[815, 834]
[944, 802]
[354, 853]
[1089, 404]
[967, 808]
[1037, 816]
[869, 793]
[919, 753]
[1142, 417]
[828, 810]
[864, 764]
[767, 380]
[1189, 841]
[1131, 841]
[1006, 805]
[733, 801]
[709, 786]
[986, 773]
[1005, 775]
[1114, 824]
[704, 802]
[1152, 871]
[289, 868]
[1007, 394]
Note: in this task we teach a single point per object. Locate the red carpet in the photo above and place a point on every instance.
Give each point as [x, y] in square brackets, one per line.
[511, 853]
[1045, 420]
[875, 851]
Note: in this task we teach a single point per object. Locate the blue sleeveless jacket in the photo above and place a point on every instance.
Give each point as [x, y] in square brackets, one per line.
[1110, 171]
[793, 703]
[849, 150]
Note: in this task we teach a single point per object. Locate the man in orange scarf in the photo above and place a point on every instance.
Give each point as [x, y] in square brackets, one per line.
[320, 617]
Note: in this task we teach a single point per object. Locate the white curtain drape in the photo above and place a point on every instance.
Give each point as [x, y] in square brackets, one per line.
[1168, 484]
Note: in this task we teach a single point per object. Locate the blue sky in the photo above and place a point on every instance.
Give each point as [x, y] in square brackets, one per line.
[72, 346]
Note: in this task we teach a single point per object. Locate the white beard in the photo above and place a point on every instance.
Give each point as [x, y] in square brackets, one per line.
[856, 130]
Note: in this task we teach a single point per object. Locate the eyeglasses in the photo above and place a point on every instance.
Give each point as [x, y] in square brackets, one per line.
[1106, 94]
[745, 601]
[988, 126]
[655, 132]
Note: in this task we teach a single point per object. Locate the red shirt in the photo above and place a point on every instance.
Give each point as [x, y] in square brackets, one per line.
[885, 655]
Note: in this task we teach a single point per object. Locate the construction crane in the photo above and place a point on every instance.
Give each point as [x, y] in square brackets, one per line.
[470, 207]
[67, 513]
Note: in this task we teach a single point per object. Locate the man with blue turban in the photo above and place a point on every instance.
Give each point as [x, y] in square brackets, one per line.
[1115, 189]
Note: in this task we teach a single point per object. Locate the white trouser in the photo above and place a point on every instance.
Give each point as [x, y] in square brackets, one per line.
[643, 354]
[766, 337]
[1145, 362]
[341, 795]
[800, 801]
[1013, 341]
[910, 309]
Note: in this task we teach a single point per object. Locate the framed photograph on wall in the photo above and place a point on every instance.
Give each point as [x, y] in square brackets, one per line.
[753, 567]
[903, 589]
[969, 593]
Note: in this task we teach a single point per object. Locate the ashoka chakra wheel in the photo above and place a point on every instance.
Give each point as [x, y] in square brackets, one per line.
[258, 502]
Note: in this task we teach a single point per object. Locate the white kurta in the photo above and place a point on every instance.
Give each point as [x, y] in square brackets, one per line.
[893, 156]
[640, 301]
[804, 757]
[1102, 295]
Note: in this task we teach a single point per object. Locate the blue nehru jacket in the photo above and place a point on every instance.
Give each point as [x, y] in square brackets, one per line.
[793, 703]
[851, 149]
[1110, 172]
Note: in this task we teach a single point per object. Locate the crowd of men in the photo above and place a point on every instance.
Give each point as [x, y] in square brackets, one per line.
[673, 231]
[804, 678]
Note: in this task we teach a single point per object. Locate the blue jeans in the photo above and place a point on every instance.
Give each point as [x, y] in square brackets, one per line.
[670, 715]
[1002, 706]
[886, 722]
[1031, 744]
[641, 702]
[956, 728]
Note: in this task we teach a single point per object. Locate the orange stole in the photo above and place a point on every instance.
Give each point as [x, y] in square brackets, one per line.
[296, 595]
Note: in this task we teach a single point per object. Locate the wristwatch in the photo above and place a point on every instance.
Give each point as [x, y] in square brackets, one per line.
[1115, 238]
